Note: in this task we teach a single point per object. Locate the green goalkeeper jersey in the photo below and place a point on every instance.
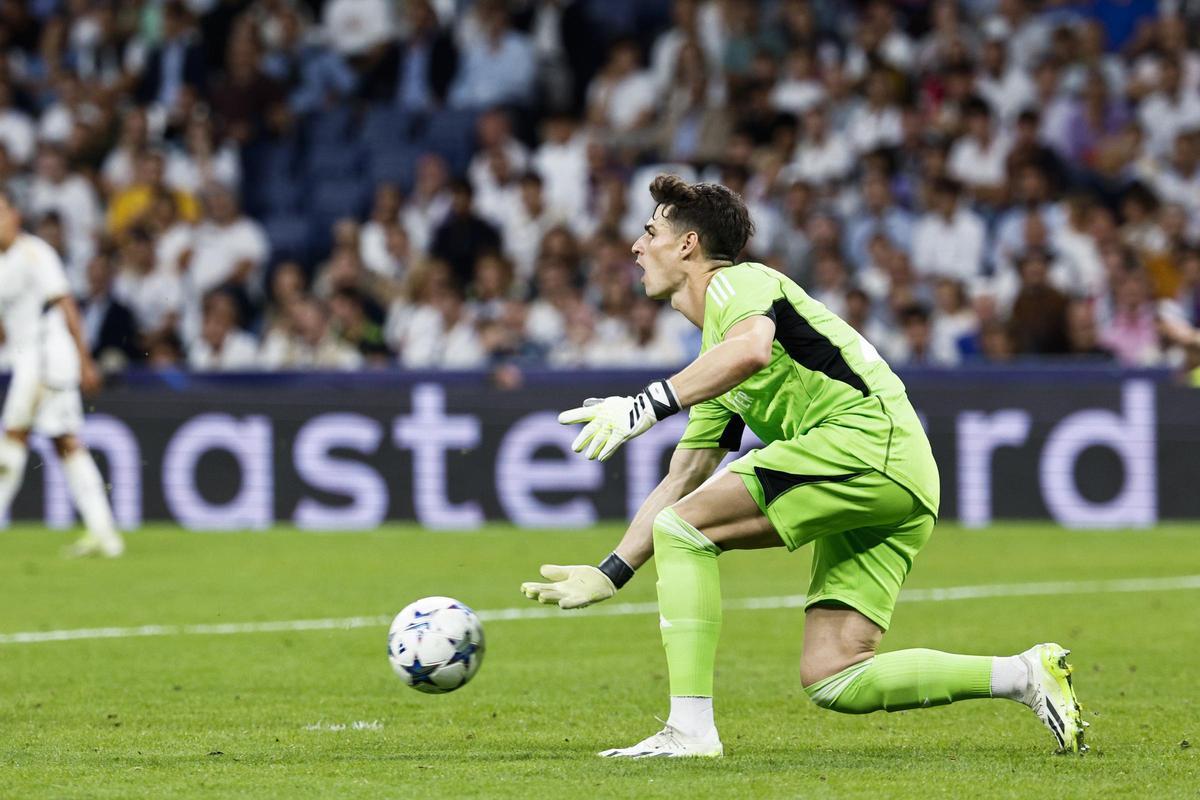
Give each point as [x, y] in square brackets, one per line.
[822, 375]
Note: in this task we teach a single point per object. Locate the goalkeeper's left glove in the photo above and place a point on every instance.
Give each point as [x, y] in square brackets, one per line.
[615, 420]
[579, 585]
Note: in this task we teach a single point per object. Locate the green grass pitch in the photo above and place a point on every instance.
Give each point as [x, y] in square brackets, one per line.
[271, 714]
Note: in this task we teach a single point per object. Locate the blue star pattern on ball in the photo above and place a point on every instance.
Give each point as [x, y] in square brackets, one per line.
[463, 654]
[419, 673]
[419, 622]
[395, 645]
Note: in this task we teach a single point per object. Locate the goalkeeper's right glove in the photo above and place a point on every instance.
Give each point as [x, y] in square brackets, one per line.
[579, 585]
[612, 421]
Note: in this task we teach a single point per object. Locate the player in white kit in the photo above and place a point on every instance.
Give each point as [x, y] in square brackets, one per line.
[50, 364]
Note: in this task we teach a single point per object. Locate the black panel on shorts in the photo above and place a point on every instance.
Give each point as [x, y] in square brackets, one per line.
[774, 482]
[731, 437]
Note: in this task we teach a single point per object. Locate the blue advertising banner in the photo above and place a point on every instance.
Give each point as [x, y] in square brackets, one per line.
[451, 451]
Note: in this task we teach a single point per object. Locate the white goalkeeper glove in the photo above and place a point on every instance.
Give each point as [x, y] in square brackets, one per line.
[579, 585]
[615, 420]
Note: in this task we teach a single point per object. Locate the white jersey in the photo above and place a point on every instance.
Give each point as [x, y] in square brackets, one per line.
[32, 278]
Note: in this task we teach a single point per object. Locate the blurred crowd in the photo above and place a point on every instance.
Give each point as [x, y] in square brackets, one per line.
[428, 184]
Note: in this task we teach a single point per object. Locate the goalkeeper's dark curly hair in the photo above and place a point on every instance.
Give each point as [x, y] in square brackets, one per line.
[717, 215]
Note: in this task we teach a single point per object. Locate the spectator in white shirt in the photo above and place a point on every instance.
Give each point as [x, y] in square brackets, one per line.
[954, 320]
[71, 196]
[1074, 242]
[979, 159]
[1006, 86]
[830, 281]
[495, 143]
[202, 160]
[949, 238]
[373, 237]
[525, 223]
[15, 180]
[879, 38]
[1095, 61]
[648, 342]
[1031, 197]
[228, 249]
[664, 54]
[498, 66]
[118, 169]
[561, 160]
[875, 123]
[821, 157]
[429, 202]
[353, 27]
[947, 35]
[1174, 31]
[917, 346]
[222, 346]
[557, 294]
[800, 87]
[1028, 35]
[1179, 179]
[70, 106]
[622, 97]
[154, 295]
[1169, 110]
[442, 333]
[17, 132]
[859, 315]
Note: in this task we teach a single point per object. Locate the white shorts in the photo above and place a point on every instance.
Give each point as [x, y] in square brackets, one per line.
[30, 404]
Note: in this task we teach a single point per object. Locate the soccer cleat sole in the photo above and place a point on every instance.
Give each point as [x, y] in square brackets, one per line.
[1070, 737]
[658, 754]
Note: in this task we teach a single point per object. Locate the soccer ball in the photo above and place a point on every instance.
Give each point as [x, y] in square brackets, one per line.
[436, 644]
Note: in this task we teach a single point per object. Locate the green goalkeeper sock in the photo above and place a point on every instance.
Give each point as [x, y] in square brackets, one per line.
[689, 603]
[905, 679]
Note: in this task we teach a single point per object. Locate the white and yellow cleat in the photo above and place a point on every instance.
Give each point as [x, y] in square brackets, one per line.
[91, 545]
[671, 742]
[1052, 697]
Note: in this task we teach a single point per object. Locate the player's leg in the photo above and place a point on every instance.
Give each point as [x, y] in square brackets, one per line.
[20, 405]
[720, 515]
[14, 452]
[61, 417]
[856, 577]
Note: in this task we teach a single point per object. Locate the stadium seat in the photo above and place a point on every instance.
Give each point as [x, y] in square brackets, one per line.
[280, 195]
[333, 161]
[270, 160]
[330, 199]
[395, 164]
[269, 177]
[289, 237]
[450, 132]
[328, 126]
[385, 126]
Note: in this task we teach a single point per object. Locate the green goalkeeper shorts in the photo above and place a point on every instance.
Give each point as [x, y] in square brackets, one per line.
[866, 529]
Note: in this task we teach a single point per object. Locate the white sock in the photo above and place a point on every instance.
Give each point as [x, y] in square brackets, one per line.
[1010, 678]
[691, 715]
[87, 490]
[13, 455]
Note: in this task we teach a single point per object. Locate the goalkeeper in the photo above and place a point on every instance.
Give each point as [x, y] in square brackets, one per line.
[846, 467]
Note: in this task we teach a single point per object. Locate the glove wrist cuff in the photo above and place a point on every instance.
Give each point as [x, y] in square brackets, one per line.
[663, 399]
[616, 570]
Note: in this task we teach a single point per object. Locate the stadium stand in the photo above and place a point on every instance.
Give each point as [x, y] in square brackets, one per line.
[969, 183]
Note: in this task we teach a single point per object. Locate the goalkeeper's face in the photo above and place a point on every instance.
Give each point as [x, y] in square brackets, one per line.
[661, 254]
